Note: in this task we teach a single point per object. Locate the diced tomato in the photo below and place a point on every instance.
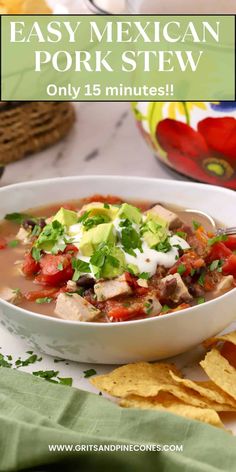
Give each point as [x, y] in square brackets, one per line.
[231, 243]
[110, 199]
[3, 243]
[190, 261]
[219, 251]
[229, 352]
[132, 281]
[70, 248]
[120, 312]
[52, 272]
[43, 293]
[30, 266]
[229, 267]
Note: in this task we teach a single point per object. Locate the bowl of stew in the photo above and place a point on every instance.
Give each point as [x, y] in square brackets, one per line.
[109, 269]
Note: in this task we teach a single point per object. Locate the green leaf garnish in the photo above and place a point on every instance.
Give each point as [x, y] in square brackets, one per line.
[201, 300]
[65, 381]
[163, 246]
[13, 243]
[130, 238]
[201, 279]
[165, 308]
[4, 362]
[144, 275]
[46, 374]
[17, 217]
[36, 254]
[89, 373]
[181, 269]
[196, 224]
[79, 267]
[40, 301]
[60, 266]
[107, 206]
[216, 265]
[181, 234]
[217, 239]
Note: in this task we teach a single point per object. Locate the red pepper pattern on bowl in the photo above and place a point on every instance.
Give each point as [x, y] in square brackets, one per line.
[197, 139]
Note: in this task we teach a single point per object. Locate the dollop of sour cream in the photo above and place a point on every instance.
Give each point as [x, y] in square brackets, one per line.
[146, 260]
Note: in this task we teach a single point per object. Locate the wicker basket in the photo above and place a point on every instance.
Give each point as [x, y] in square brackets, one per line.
[31, 126]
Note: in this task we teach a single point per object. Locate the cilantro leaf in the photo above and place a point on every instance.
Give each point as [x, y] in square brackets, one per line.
[217, 239]
[40, 301]
[163, 246]
[17, 218]
[89, 373]
[13, 243]
[181, 269]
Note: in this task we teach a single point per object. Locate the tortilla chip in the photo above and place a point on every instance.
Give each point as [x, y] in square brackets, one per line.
[174, 406]
[209, 393]
[141, 378]
[231, 337]
[220, 372]
[228, 350]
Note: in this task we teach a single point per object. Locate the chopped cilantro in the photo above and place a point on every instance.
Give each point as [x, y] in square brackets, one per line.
[192, 273]
[149, 307]
[89, 373]
[196, 224]
[107, 206]
[40, 301]
[163, 246]
[30, 360]
[201, 279]
[80, 267]
[217, 239]
[181, 269]
[17, 217]
[181, 234]
[165, 308]
[50, 237]
[84, 216]
[112, 260]
[65, 381]
[95, 221]
[200, 300]
[216, 265]
[13, 243]
[60, 266]
[36, 230]
[36, 254]
[144, 275]
[46, 374]
[4, 362]
[130, 239]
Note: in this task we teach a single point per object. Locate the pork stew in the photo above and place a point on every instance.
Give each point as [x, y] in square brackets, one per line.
[102, 259]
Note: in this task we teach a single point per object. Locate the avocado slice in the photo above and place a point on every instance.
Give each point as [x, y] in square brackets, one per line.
[130, 212]
[98, 208]
[66, 217]
[109, 270]
[103, 233]
[156, 230]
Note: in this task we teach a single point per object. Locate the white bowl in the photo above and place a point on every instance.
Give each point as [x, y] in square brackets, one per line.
[148, 339]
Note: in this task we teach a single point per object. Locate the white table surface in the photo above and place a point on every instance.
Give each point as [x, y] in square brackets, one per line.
[104, 141]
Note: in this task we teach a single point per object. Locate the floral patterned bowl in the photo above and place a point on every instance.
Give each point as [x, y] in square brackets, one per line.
[197, 139]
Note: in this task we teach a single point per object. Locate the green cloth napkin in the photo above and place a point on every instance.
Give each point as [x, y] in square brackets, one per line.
[35, 413]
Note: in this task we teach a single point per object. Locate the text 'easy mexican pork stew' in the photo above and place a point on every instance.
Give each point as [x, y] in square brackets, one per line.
[102, 259]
